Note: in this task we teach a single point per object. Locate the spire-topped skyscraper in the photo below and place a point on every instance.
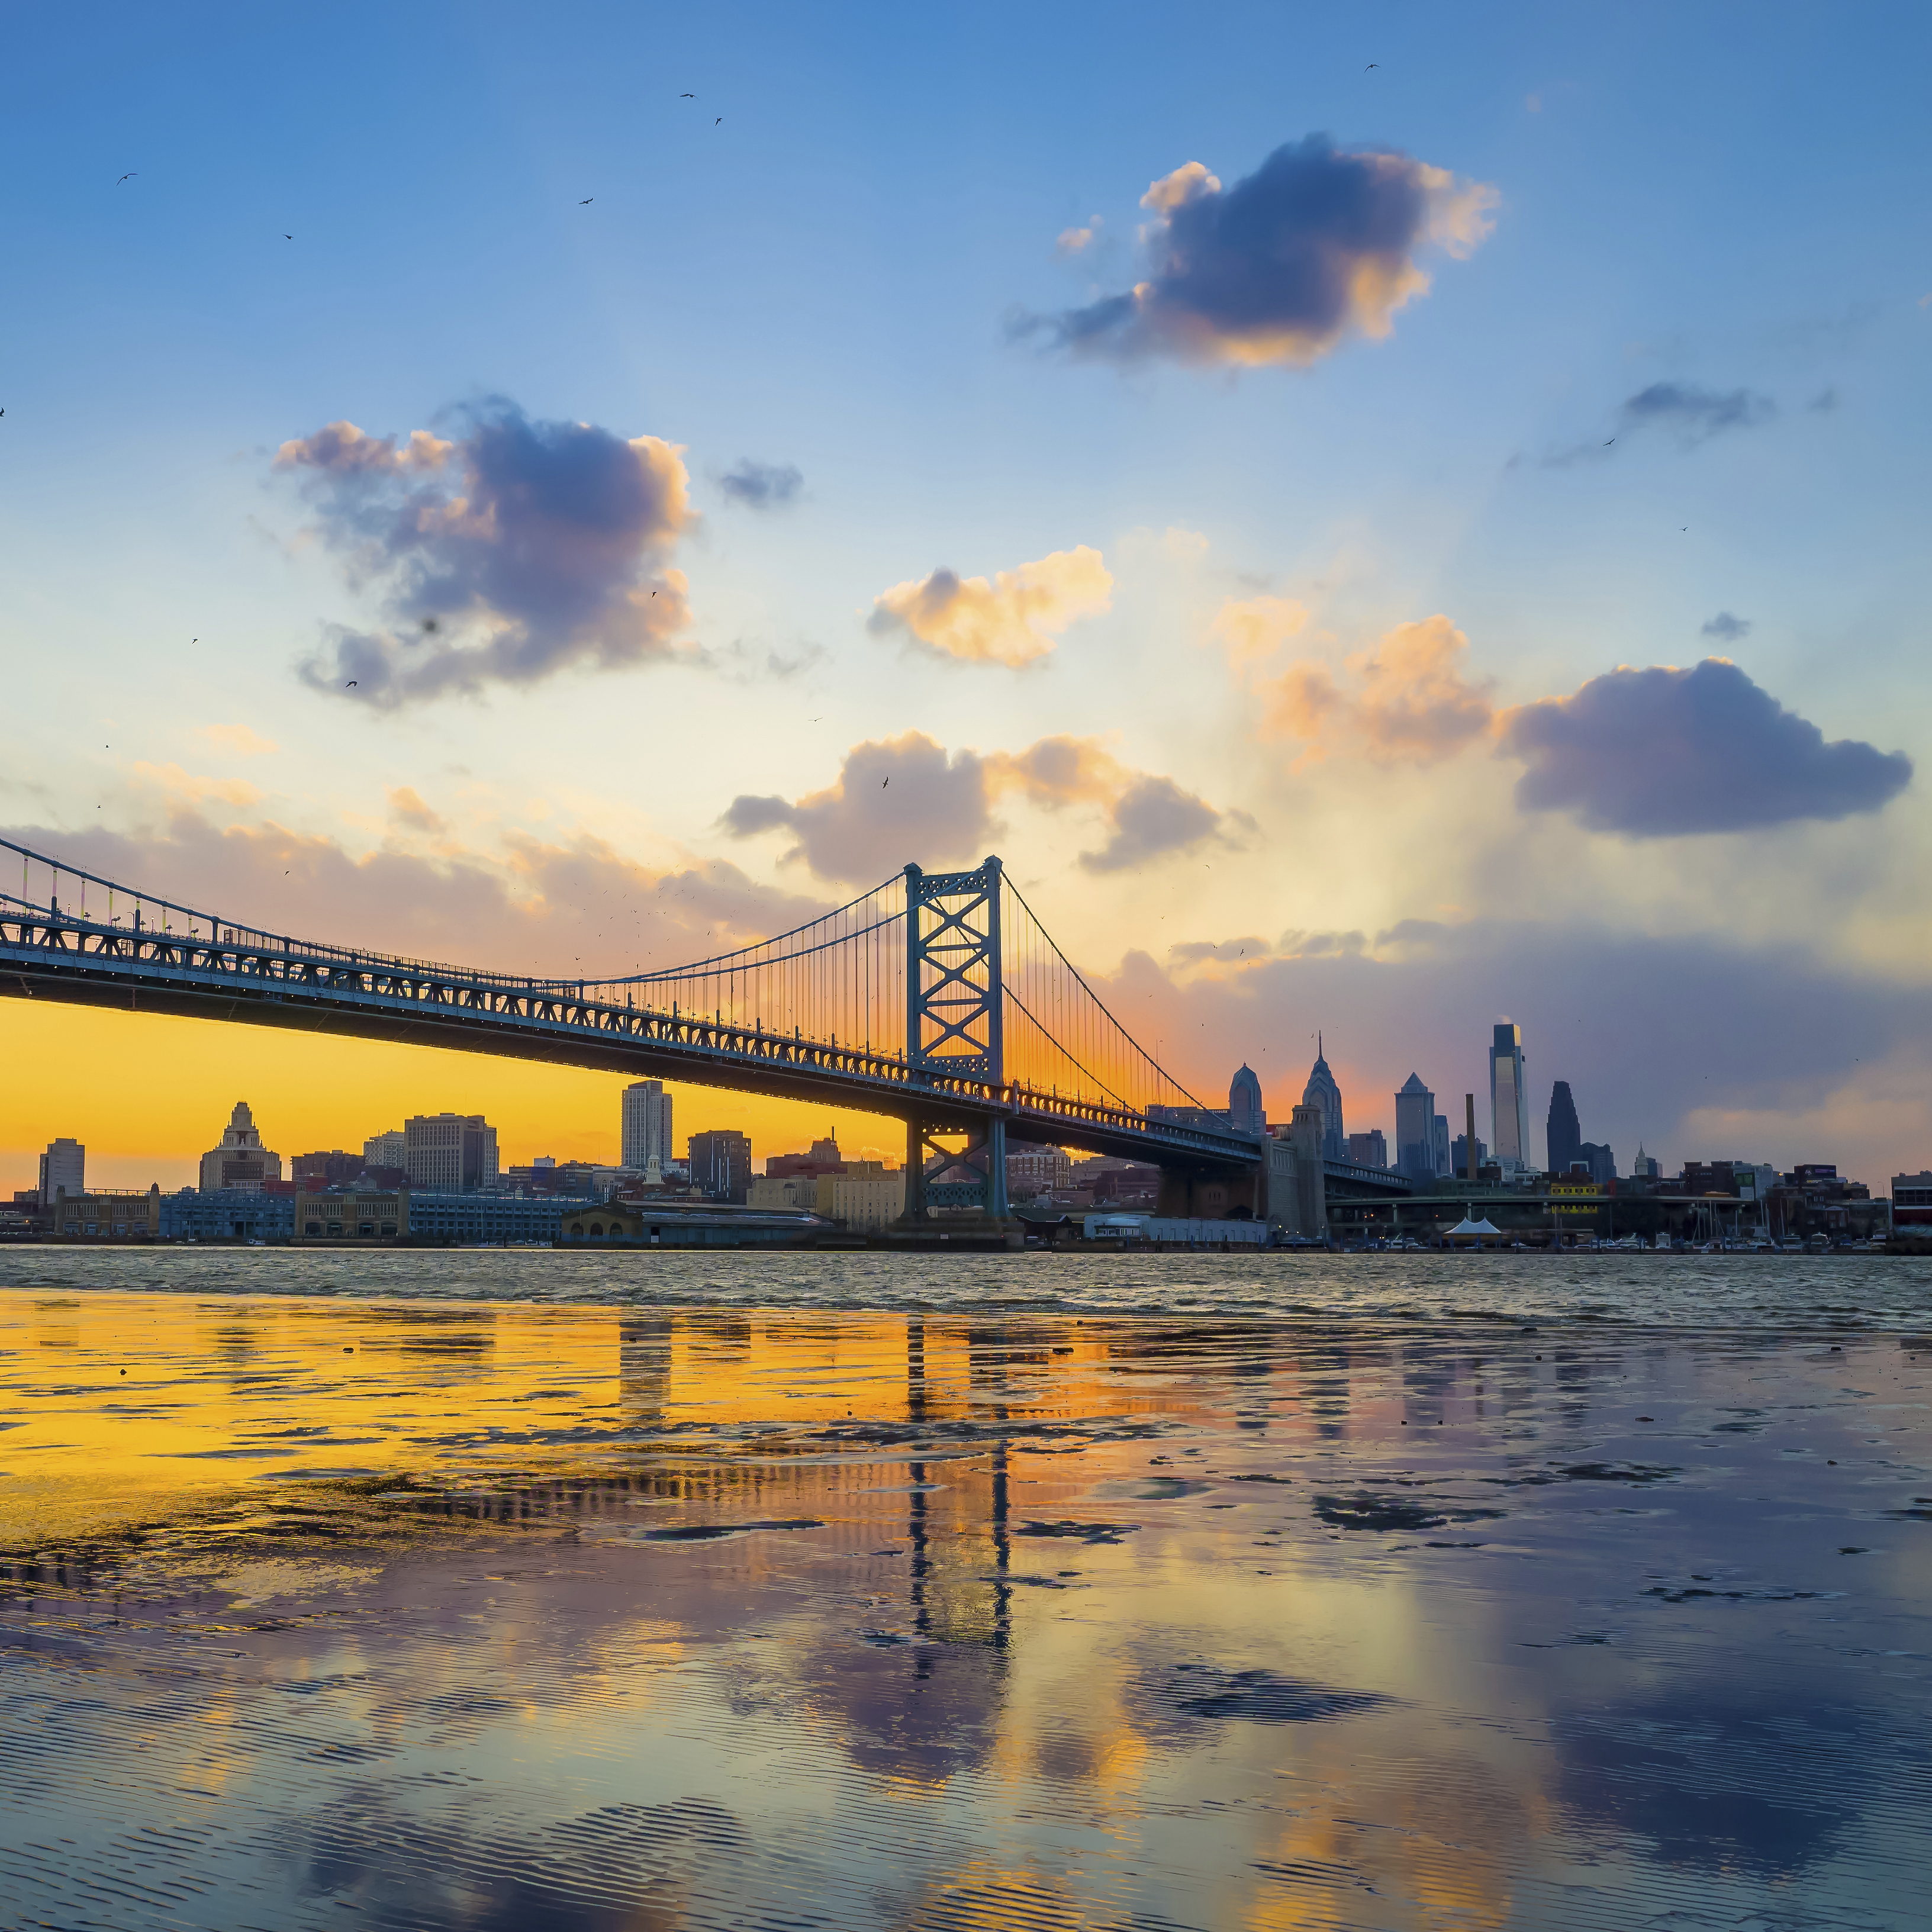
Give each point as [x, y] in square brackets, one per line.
[1322, 1092]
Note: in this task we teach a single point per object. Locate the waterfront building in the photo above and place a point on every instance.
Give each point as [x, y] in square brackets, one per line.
[1646, 1166]
[1509, 1105]
[449, 1154]
[1245, 1110]
[388, 1150]
[473, 1220]
[63, 1169]
[646, 1121]
[1368, 1149]
[1459, 1154]
[1415, 1129]
[108, 1214]
[720, 1163]
[687, 1225]
[352, 1215]
[868, 1196]
[1322, 1091]
[1564, 1131]
[241, 1163]
[224, 1214]
[1912, 1200]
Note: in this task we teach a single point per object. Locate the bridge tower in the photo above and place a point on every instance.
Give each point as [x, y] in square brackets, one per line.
[955, 1030]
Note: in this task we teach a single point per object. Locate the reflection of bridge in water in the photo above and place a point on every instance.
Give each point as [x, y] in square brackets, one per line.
[937, 998]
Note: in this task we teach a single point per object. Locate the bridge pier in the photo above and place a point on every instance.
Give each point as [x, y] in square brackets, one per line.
[971, 1207]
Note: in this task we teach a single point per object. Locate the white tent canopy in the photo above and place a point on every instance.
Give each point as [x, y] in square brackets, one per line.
[1469, 1229]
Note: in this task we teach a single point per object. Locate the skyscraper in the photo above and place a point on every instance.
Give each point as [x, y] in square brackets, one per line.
[1509, 1106]
[721, 1163]
[63, 1170]
[1566, 1131]
[1322, 1092]
[646, 1127]
[1415, 1129]
[1244, 1102]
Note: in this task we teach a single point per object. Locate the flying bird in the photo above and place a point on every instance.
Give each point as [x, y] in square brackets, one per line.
[719, 122]
[1612, 439]
[586, 201]
[128, 176]
[1371, 66]
[350, 685]
[687, 96]
[288, 238]
[883, 783]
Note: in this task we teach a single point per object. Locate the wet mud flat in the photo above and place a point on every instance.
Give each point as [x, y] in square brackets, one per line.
[316, 1612]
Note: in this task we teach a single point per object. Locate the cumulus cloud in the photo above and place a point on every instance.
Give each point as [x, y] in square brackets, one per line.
[1409, 699]
[1015, 618]
[1249, 629]
[763, 486]
[1318, 243]
[1696, 414]
[502, 555]
[1153, 817]
[1662, 751]
[1727, 627]
[1077, 241]
[907, 799]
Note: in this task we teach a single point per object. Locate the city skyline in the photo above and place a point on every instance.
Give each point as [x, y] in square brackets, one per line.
[1526, 627]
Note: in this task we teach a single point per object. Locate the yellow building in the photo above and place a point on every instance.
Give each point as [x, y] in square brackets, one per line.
[798, 1192]
[106, 1216]
[351, 1217]
[868, 1196]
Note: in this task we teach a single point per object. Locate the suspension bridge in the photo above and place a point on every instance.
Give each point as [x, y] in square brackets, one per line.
[938, 998]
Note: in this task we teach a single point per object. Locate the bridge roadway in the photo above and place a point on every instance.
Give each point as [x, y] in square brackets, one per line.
[266, 979]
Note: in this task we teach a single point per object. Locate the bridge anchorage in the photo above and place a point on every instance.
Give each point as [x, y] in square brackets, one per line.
[938, 998]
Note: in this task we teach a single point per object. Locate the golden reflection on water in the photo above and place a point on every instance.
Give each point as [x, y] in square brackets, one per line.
[499, 1615]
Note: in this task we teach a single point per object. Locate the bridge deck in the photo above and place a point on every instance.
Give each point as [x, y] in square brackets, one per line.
[267, 981]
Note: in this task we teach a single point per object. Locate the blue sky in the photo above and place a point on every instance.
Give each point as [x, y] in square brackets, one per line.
[1723, 210]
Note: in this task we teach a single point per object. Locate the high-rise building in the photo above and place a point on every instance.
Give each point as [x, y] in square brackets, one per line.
[241, 1164]
[1322, 1092]
[1459, 1154]
[334, 1167]
[1440, 1144]
[1370, 1150]
[1565, 1131]
[63, 1168]
[1245, 1110]
[1646, 1166]
[1599, 1159]
[449, 1154]
[1415, 1129]
[1509, 1105]
[646, 1127]
[388, 1150]
[721, 1163]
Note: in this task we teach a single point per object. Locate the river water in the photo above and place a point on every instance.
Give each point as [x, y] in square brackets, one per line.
[532, 1590]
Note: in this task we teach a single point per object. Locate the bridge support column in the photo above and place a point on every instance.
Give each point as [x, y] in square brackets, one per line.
[956, 1191]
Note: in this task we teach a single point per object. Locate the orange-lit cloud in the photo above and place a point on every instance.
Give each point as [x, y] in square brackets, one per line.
[1251, 629]
[193, 788]
[1013, 618]
[1408, 700]
[237, 738]
[907, 798]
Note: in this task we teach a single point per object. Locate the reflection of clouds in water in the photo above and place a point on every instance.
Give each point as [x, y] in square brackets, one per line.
[1722, 1781]
[473, 1701]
